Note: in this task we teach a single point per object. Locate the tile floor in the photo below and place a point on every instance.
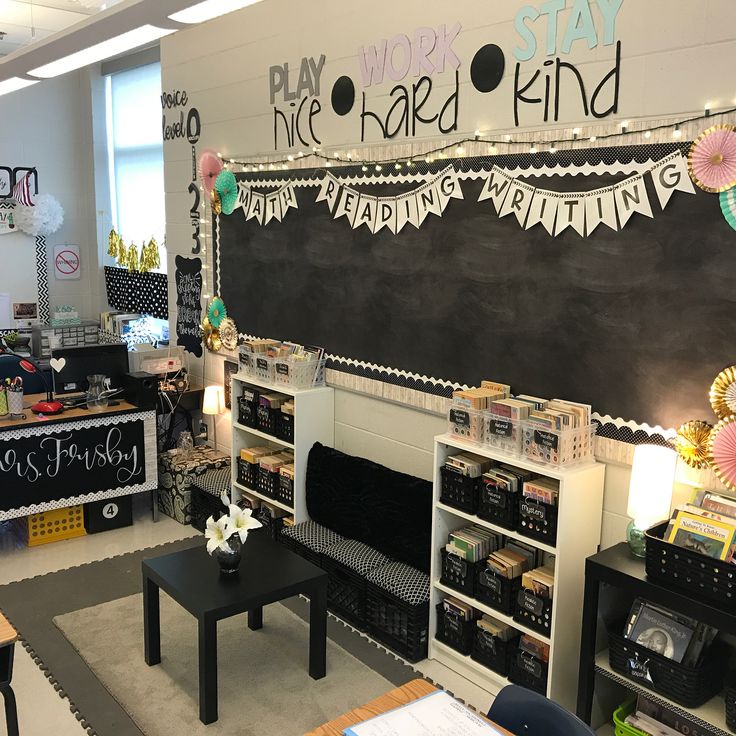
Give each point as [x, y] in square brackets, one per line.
[40, 709]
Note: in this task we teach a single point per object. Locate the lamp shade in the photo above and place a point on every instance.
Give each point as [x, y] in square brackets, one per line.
[214, 400]
[650, 488]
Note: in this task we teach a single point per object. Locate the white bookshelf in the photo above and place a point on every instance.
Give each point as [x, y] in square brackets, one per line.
[580, 507]
[314, 421]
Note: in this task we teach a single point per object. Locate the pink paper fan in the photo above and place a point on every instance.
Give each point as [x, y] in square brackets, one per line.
[209, 167]
[712, 159]
[723, 451]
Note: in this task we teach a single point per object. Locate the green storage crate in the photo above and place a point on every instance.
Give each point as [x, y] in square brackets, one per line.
[619, 717]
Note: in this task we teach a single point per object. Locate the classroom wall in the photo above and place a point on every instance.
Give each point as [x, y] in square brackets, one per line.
[49, 126]
[672, 66]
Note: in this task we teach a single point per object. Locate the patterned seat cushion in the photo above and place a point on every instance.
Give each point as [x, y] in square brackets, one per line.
[316, 537]
[215, 482]
[357, 556]
[406, 583]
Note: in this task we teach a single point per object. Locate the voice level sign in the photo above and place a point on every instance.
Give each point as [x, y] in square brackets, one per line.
[67, 263]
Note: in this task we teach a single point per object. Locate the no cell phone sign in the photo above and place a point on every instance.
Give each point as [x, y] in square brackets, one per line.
[66, 261]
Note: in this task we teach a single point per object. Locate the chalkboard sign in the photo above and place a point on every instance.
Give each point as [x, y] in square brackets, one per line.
[636, 322]
[188, 304]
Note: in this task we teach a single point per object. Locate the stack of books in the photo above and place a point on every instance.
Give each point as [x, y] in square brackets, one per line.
[540, 581]
[473, 543]
[542, 490]
[468, 464]
[513, 560]
[496, 628]
[654, 719]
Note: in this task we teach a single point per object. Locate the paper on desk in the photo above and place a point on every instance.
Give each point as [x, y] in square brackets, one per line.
[436, 714]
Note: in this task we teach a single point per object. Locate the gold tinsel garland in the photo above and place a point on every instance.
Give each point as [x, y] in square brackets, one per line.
[128, 257]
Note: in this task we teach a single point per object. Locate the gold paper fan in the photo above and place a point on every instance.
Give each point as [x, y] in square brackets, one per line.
[229, 333]
[692, 443]
[211, 336]
[723, 393]
[722, 451]
[215, 202]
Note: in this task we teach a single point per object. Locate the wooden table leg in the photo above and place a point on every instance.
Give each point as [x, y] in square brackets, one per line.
[318, 631]
[151, 622]
[255, 618]
[207, 670]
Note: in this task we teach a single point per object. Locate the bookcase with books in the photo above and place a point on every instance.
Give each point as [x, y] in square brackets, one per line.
[274, 426]
[510, 537]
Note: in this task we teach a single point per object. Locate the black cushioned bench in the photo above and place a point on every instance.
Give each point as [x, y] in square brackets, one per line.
[370, 528]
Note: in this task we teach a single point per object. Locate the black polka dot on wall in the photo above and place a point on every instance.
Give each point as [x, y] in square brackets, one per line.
[486, 69]
[343, 95]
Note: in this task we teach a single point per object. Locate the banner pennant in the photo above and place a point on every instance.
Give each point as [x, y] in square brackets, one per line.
[571, 212]
[365, 212]
[631, 196]
[600, 207]
[273, 208]
[518, 201]
[671, 175]
[542, 209]
[347, 204]
[257, 207]
[329, 191]
[496, 187]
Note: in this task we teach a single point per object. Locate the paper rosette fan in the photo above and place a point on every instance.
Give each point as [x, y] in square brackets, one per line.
[215, 202]
[692, 443]
[211, 336]
[209, 167]
[728, 206]
[216, 312]
[44, 218]
[712, 159]
[723, 393]
[229, 333]
[227, 189]
[722, 449]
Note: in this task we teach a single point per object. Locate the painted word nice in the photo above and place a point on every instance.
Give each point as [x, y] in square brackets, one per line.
[59, 452]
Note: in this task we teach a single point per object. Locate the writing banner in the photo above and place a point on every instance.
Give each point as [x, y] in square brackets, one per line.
[496, 187]
[671, 175]
[543, 209]
[518, 201]
[600, 207]
[631, 196]
[571, 213]
[188, 279]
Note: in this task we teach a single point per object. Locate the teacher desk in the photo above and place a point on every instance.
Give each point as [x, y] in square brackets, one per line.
[50, 462]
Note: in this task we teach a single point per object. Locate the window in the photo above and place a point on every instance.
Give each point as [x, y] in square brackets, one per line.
[136, 154]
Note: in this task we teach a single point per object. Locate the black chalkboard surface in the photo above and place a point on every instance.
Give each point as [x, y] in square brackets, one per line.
[636, 322]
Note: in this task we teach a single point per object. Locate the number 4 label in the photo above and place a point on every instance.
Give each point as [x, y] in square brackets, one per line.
[110, 510]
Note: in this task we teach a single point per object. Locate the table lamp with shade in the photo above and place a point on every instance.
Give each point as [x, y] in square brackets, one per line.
[650, 492]
[213, 404]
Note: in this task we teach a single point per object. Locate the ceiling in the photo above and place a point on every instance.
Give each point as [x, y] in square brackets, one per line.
[26, 21]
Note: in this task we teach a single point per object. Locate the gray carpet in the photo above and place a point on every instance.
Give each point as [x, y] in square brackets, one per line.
[263, 681]
[32, 604]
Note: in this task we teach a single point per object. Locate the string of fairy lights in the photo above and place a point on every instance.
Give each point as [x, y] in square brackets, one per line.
[457, 148]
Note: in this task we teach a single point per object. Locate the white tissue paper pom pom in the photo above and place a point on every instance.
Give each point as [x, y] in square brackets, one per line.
[44, 218]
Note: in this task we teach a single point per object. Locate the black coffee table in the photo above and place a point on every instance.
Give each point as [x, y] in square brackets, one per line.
[269, 572]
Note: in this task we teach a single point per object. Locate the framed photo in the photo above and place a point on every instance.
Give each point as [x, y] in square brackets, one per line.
[230, 368]
[25, 310]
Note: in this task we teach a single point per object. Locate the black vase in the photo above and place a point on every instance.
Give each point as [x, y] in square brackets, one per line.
[229, 559]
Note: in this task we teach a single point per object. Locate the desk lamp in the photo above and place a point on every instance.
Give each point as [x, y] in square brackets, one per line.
[650, 492]
[212, 405]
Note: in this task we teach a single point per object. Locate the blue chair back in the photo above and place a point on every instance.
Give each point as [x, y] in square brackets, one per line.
[9, 368]
[526, 713]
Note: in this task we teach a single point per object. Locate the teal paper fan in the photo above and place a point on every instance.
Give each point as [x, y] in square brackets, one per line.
[227, 188]
[728, 206]
[216, 312]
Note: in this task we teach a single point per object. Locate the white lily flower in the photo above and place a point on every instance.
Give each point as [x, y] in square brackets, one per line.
[218, 532]
[225, 498]
[241, 521]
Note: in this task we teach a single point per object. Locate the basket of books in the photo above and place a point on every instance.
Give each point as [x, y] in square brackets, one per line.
[248, 465]
[285, 422]
[465, 549]
[642, 716]
[498, 495]
[459, 481]
[263, 368]
[494, 644]
[695, 550]
[302, 370]
[530, 664]
[269, 410]
[465, 424]
[534, 600]
[286, 484]
[248, 407]
[538, 510]
[457, 572]
[455, 624]
[493, 588]
[502, 432]
[667, 652]
[467, 415]
[269, 478]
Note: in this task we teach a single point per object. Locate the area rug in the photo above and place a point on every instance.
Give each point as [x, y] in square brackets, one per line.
[263, 682]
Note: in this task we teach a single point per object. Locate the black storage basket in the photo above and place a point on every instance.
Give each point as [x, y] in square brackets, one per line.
[459, 491]
[204, 505]
[345, 592]
[299, 548]
[454, 631]
[396, 623]
[533, 611]
[268, 482]
[730, 699]
[492, 652]
[286, 491]
[248, 474]
[457, 573]
[538, 520]
[271, 526]
[495, 591]
[529, 672]
[700, 576]
[498, 506]
[691, 687]
[247, 413]
[267, 419]
[285, 427]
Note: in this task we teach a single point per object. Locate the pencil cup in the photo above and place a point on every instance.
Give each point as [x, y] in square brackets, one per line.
[3, 402]
[14, 401]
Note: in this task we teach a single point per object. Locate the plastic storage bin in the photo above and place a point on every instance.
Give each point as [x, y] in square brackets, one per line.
[457, 573]
[299, 373]
[53, 526]
[285, 427]
[498, 505]
[533, 611]
[529, 672]
[621, 728]
[465, 424]
[537, 520]
[345, 592]
[286, 491]
[248, 474]
[496, 591]
[396, 623]
[491, 652]
[111, 513]
[459, 491]
[268, 482]
[557, 447]
[454, 631]
[263, 368]
[502, 433]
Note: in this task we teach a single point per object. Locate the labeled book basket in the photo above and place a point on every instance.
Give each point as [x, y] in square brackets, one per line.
[529, 672]
[248, 474]
[454, 631]
[502, 433]
[458, 573]
[691, 687]
[537, 520]
[699, 575]
[557, 447]
[459, 491]
[492, 652]
[466, 424]
[299, 373]
[498, 505]
[496, 591]
[533, 611]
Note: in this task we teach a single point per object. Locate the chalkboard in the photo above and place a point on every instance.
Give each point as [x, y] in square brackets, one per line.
[636, 322]
[188, 279]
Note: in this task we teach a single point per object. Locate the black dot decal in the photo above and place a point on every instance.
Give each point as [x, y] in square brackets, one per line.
[486, 69]
[343, 95]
